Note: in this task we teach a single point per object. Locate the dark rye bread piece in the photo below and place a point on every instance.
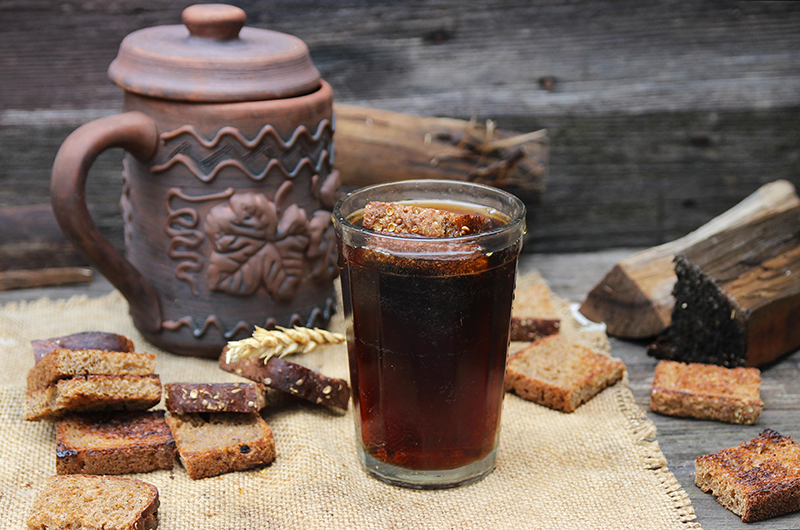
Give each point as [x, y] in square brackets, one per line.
[72, 502]
[62, 364]
[86, 340]
[755, 480]
[530, 329]
[533, 315]
[707, 392]
[92, 393]
[560, 374]
[404, 219]
[737, 295]
[292, 379]
[216, 443]
[114, 443]
[183, 398]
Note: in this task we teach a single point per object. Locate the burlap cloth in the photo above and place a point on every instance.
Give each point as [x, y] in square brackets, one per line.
[599, 467]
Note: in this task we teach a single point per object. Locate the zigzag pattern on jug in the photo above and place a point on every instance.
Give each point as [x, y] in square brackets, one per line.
[212, 320]
[302, 130]
[273, 163]
[319, 316]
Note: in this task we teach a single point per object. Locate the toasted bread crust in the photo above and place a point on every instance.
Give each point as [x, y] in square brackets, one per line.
[756, 480]
[114, 444]
[390, 218]
[90, 501]
[528, 329]
[706, 391]
[87, 340]
[62, 364]
[91, 393]
[183, 398]
[559, 374]
[217, 443]
[292, 379]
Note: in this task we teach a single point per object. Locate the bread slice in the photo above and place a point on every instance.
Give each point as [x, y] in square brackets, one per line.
[62, 364]
[755, 480]
[293, 379]
[404, 219]
[706, 391]
[91, 393]
[72, 502]
[86, 340]
[183, 398]
[560, 374]
[213, 444]
[533, 316]
[114, 443]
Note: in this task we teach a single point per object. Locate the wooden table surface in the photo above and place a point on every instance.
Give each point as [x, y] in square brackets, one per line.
[681, 440]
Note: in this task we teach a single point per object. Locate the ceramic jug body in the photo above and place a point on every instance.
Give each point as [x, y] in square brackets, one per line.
[226, 209]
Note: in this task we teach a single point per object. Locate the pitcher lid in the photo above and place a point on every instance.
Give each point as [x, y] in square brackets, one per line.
[212, 57]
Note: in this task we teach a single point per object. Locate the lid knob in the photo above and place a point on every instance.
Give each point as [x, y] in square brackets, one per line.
[214, 21]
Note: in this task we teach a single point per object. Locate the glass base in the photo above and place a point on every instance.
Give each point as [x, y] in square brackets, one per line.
[427, 479]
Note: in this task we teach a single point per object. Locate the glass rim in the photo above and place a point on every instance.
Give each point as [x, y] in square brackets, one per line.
[515, 221]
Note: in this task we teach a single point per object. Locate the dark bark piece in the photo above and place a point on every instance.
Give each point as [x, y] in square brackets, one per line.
[737, 297]
[293, 379]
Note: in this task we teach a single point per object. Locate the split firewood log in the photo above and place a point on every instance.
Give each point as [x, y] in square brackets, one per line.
[375, 146]
[635, 300]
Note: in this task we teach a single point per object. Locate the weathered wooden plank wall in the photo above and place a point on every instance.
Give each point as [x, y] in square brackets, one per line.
[661, 115]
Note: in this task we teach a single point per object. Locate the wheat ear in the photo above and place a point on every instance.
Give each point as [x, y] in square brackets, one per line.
[281, 342]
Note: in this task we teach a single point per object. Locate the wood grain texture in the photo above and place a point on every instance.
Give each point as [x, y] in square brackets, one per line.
[635, 299]
[660, 115]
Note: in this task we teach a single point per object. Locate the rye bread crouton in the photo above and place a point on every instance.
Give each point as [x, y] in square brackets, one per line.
[755, 480]
[114, 443]
[560, 374]
[70, 502]
[62, 364]
[216, 443]
[184, 398]
[92, 393]
[404, 219]
[533, 316]
[86, 340]
[706, 391]
[292, 379]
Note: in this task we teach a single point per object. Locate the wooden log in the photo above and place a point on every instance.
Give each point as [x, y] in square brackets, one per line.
[737, 295]
[376, 146]
[34, 252]
[635, 300]
[30, 278]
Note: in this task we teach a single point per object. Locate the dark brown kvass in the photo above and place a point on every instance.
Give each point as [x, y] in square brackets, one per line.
[427, 323]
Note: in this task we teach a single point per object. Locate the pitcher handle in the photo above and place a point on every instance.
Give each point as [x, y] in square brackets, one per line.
[136, 133]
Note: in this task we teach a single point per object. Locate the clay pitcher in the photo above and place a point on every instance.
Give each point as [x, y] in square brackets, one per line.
[228, 182]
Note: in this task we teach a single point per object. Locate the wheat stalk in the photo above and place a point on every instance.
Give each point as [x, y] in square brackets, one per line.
[281, 342]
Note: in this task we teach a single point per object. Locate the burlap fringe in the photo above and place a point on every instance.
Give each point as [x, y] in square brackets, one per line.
[643, 432]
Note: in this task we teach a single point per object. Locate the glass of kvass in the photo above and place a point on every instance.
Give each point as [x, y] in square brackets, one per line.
[428, 270]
